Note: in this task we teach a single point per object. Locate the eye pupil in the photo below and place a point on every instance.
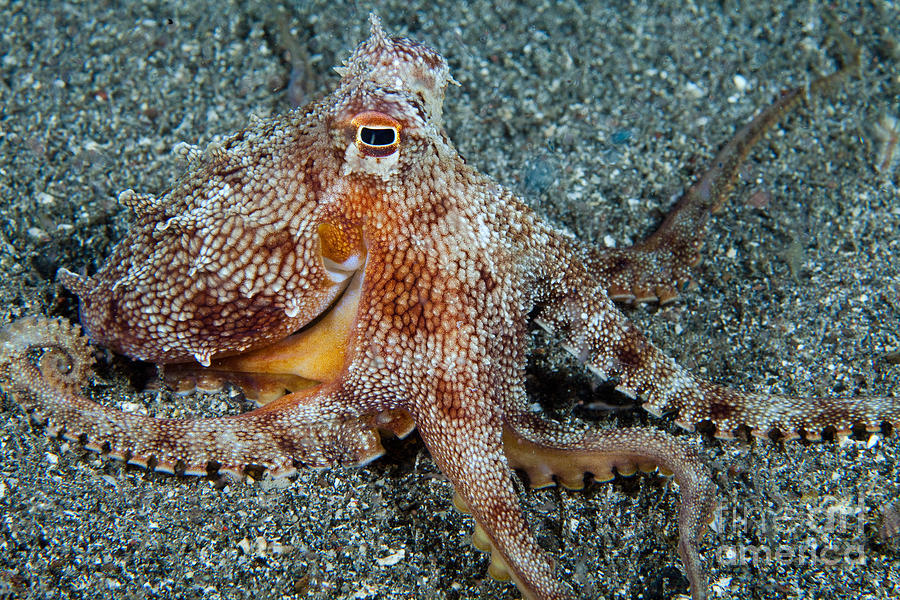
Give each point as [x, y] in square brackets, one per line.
[377, 136]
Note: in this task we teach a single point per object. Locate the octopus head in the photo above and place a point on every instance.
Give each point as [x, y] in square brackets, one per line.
[401, 64]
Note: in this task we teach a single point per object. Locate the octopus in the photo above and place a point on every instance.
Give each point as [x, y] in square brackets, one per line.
[347, 269]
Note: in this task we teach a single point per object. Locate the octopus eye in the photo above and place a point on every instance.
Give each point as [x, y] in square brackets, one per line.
[377, 134]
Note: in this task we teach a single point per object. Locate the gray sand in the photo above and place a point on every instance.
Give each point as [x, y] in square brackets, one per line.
[599, 116]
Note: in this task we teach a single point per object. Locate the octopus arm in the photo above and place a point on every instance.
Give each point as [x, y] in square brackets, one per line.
[313, 428]
[477, 450]
[659, 267]
[469, 451]
[548, 453]
[597, 333]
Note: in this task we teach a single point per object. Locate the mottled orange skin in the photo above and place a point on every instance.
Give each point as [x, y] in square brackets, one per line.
[359, 206]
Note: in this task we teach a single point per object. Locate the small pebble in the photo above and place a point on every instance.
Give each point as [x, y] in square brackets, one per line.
[37, 234]
[244, 545]
[45, 199]
[621, 136]
[759, 199]
[693, 90]
[392, 559]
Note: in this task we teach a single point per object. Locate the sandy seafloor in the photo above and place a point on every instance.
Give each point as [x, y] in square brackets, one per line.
[599, 115]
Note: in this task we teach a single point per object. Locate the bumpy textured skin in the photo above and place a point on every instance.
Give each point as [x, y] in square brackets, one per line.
[363, 191]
